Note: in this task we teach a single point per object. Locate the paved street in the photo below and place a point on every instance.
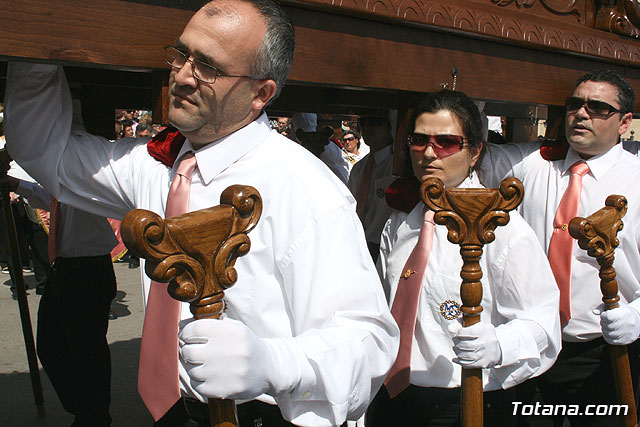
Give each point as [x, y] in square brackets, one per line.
[18, 409]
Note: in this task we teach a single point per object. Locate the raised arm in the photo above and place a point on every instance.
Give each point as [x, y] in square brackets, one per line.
[502, 161]
[79, 169]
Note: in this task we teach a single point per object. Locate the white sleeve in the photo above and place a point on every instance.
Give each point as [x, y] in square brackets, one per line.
[501, 161]
[79, 169]
[346, 353]
[527, 295]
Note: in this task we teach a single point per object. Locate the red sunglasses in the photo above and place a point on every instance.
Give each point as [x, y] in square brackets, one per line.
[443, 145]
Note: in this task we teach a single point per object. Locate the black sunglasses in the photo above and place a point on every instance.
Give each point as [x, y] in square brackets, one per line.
[599, 108]
[348, 138]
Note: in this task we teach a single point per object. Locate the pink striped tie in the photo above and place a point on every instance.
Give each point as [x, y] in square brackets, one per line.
[405, 306]
[158, 371]
[561, 245]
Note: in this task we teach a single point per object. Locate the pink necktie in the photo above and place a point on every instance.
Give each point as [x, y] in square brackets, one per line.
[158, 371]
[52, 244]
[561, 244]
[405, 306]
[362, 190]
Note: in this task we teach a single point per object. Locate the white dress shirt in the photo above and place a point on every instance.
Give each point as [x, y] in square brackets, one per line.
[614, 172]
[520, 298]
[378, 211]
[78, 233]
[290, 285]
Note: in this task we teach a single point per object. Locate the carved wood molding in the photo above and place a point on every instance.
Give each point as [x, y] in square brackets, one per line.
[568, 7]
[493, 19]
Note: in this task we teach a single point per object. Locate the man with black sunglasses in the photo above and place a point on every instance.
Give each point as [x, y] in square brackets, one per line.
[557, 189]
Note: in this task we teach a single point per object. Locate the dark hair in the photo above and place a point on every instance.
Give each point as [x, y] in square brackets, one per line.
[273, 59]
[626, 95]
[457, 103]
[143, 127]
[352, 132]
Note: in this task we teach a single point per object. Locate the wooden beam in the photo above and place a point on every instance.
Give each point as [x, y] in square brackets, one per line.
[337, 47]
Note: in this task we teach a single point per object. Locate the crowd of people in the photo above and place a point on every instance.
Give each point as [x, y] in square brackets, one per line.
[348, 307]
[135, 124]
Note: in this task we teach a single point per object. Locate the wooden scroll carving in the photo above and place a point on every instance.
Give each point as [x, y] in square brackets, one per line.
[597, 234]
[471, 216]
[195, 254]
[619, 16]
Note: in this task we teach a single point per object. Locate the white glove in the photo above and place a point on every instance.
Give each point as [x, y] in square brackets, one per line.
[477, 346]
[620, 326]
[225, 359]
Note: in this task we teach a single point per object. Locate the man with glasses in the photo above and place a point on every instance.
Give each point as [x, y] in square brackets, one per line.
[303, 329]
[598, 112]
[371, 176]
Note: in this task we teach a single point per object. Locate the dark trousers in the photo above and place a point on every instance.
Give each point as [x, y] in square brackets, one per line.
[37, 240]
[193, 413]
[431, 406]
[582, 376]
[71, 338]
[32, 242]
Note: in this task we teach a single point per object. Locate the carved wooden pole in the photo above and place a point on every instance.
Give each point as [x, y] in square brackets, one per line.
[597, 234]
[471, 215]
[23, 305]
[195, 253]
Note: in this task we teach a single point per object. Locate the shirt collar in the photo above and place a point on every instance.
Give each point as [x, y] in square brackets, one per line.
[598, 165]
[217, 156]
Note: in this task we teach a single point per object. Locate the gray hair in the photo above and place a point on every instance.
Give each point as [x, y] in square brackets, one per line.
[273, 59]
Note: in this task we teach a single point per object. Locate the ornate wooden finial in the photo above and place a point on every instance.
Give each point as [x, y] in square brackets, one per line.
[195, 252]
[597, 234]
[471, 216]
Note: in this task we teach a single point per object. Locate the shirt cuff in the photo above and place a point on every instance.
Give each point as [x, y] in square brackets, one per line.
[635, 304]
[509, 346]
[25, 188]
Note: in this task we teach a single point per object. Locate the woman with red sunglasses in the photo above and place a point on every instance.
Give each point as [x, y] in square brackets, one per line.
[518, 336]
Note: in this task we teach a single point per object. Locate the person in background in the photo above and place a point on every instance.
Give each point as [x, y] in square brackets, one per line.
[371, 176]
[143, 131]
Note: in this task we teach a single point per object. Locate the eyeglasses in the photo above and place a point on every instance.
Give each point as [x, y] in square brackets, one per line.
[443, 145]
[201, 70]
[598, 108]
[371, 121]
[348, 139]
